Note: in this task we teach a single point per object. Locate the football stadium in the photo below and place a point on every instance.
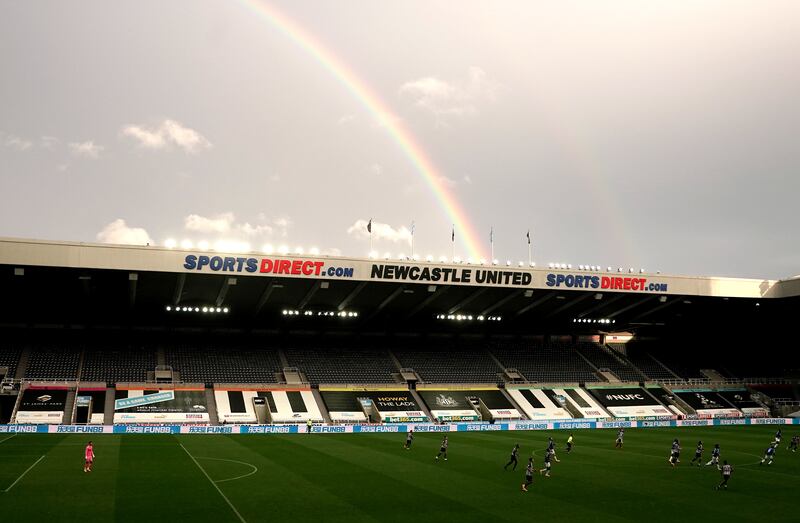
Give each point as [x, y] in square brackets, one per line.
[249, 387]
[206, 309]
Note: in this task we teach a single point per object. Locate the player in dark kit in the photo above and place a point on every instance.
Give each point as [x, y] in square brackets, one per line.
[769, 455]
[794, 443]
[546, 469]
[698, 454]
[409, 440]
[675, 453]
[714, 456]
[513, 458]
[620, 438]
[528, 475]
[551, 449]
[727, 470]
[443, 449]
[778, 436]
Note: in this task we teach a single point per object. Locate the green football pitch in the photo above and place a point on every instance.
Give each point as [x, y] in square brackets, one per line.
[369, 477]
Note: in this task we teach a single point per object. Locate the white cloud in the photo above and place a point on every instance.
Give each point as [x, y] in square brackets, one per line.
[468, 180]
[253, 230]
[220, 223]
[118, 232]
[167, 134]
[283, 223]
[226, 224]
[48, 142]
[380, 231]
[275, 178]
[444, 98]
[376, 168]
[86, 149]
[346, 119]
[18, 143]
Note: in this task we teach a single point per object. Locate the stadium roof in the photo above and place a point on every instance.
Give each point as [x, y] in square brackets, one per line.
[78, 283]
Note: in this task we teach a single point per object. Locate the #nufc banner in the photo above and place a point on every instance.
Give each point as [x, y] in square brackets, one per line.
[623, 397]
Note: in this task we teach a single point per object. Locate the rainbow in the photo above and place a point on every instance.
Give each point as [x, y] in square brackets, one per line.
[405, 140]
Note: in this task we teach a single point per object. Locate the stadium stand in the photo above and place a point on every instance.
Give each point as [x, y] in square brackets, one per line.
[342, 365]
[221, 363]
[449, 362]
[128, 364]
[9, 356]
[602, 358]
[674, 358]
[53, 362]
[545, 362]
[643, 361]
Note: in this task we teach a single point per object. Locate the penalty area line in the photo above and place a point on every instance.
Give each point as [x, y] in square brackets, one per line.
[23, 474]
[213, 484]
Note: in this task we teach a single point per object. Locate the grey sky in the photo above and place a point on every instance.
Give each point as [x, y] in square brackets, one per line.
[663, 135]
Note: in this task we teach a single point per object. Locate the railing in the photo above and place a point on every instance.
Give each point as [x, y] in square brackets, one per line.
[726, 381]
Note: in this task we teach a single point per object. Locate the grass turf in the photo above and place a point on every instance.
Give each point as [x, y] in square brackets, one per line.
[369, 477]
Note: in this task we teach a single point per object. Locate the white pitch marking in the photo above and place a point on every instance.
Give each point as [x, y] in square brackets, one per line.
[213, 484]
[23, 474]
[8, 438]
[255, 469]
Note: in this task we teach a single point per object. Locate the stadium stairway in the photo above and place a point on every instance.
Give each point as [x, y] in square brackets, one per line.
[421, 403]
[678, 402]
[394, 359]
[668, 369]
[108, 412]
[22, 363]
[623, 360]
[596, 371]
[513, 403]
[16, 404]
[69, 406]
[211, 405]
[323, 409]
[713, 375]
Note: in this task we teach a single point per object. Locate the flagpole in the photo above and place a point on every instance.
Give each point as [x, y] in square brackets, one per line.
[491, 243]
[530, 259]
[412, 239]
[453, 242]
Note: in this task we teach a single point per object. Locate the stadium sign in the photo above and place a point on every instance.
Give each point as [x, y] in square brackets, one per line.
[416, 273]
[35, 253]
[147, 399]
[611, 283]
[277, 266]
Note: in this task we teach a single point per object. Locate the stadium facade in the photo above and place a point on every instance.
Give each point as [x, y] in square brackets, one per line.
[107, 334]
